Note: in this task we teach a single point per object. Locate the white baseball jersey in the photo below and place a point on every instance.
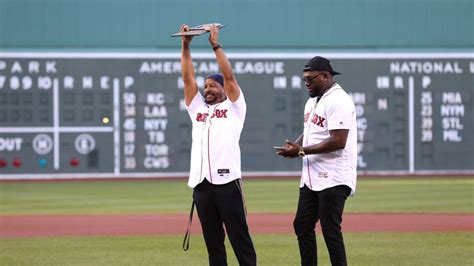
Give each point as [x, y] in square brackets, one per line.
[215, 151]
[335, 110]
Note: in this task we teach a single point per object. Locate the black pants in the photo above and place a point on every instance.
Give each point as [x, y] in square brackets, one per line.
[327, 206]
[223, 204]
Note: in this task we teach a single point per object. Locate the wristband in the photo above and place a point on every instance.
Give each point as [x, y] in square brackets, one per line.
[218, 46]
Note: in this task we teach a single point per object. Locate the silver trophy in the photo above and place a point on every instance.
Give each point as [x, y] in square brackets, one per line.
[197, 30]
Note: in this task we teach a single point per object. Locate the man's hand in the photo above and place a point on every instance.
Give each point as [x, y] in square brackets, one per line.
[214, 36]
[290, 150]
[185, 40]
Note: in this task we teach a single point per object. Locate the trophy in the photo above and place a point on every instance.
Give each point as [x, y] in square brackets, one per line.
[197, 30]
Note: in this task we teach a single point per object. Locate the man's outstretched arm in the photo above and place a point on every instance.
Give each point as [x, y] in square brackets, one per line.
[232, 89]
[187, 67]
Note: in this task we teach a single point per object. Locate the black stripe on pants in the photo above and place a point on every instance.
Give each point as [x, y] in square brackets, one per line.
[327, 206]
[219, 205]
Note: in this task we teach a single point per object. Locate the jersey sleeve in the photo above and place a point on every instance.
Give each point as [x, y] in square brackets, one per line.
[239, 107]
[340, 113]
[195, 105]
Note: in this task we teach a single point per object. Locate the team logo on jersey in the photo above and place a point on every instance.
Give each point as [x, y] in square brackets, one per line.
[201, 117]
[219, 113]
[317, 120]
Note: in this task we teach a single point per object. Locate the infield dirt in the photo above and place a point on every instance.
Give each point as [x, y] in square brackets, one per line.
[94, 225]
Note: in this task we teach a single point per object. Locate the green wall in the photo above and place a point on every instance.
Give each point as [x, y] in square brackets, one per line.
[250, 25]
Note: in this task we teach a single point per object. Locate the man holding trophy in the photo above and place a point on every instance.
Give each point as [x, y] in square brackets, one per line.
[217, 116]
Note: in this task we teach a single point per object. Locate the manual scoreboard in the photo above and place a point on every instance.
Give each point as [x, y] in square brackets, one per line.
[123, 115]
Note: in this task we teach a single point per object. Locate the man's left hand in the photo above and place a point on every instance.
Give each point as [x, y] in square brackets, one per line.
[290, 150]
[214, 36]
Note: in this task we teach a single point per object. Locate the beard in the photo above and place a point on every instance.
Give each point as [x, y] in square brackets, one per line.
[210, 98]
[315, 91]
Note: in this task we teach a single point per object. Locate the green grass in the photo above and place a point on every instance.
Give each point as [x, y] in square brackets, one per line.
[95, 197]
[445, 195]
[438, 195]
[448, 195]
[272, 249]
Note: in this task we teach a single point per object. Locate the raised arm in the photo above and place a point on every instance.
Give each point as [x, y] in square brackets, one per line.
[187, 67]
[231, 87]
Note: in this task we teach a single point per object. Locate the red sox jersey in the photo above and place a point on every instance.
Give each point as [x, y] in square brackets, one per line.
[215, 150]
[335, 110]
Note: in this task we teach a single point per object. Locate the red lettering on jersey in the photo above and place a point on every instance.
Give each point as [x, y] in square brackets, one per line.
[201, 117]
[219, 113]
[318, 120]
[321, 121]
[223, 113]
[306, 116]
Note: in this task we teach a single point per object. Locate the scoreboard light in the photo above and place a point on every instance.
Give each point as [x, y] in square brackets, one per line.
[3, 163]
[105, 120]
[74, 162]
[42, 163]
[16, 163]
